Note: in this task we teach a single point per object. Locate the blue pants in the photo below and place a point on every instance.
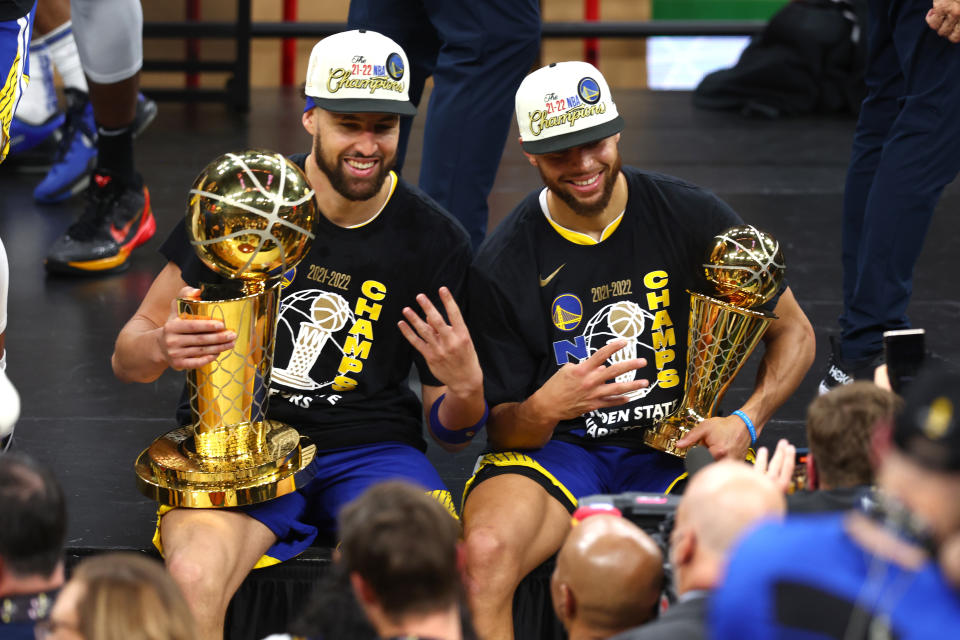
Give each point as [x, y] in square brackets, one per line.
[905, 151]
[478, 53]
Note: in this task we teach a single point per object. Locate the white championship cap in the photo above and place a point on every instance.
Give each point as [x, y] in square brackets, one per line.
[359, 71]
[564, 105]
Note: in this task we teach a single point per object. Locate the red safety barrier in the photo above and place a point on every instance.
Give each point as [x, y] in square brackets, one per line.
[591, 13]
[288, 54]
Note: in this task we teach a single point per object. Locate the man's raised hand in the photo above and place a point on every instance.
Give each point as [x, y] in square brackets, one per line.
[579, 388]
[447, 348]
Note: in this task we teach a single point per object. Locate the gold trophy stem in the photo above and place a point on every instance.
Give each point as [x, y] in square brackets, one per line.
[720, 340]
[232, 454]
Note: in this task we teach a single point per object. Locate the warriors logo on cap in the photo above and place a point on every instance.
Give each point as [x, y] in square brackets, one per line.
[564, 105]
[359, 71]
[395, 66]
[589, 91]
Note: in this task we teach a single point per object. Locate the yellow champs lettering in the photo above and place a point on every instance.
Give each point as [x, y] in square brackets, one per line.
[363, 307]
[355, 350]
[662, 332]
[358, 348]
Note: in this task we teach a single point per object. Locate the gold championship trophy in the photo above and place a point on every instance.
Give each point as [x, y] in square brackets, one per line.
[746, 267]
[250, 218]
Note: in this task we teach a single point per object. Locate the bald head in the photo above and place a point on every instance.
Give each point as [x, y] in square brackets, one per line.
[719, 505]
[608, 576]
[725, 499]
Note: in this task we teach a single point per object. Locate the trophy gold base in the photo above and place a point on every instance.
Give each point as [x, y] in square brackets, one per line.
[664, 436]
[171, 472]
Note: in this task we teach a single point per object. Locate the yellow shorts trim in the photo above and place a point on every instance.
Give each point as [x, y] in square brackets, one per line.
[13, 86]
[516, 459]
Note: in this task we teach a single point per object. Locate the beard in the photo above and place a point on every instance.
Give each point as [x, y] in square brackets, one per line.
[586, 209]
[355, 189]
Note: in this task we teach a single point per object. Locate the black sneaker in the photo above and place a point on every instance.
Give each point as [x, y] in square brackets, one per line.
[841, 372]
[117, 219]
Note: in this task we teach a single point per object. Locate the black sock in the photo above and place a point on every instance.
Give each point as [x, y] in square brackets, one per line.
[115, 153]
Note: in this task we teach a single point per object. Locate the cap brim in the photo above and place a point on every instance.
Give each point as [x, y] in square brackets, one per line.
[366, 105]
[574, 138]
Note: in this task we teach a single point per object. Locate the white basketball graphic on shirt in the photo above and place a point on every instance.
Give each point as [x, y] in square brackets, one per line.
[623, 320]
[626, 319]
[330, 312]
[308, 319]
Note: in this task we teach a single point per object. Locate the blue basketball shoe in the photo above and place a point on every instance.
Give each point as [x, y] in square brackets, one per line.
[76, 155]
[25, 136]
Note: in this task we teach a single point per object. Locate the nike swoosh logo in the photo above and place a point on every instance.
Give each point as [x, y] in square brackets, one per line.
[545, 281]
[119, 235]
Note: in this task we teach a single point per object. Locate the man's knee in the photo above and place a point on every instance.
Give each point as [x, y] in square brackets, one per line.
[493, 561]
[201, 574]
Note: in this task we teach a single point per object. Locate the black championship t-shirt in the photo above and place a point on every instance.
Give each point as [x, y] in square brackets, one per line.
[538, 299]
[341, 364]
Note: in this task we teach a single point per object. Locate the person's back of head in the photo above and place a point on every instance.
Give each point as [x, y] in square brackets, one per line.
[404, 546]
[608, 577]
[33, 521]
[722, 501]
[839, 429]
[124, 596]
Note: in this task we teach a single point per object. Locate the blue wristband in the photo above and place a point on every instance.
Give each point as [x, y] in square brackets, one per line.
[458, 436]
[747, 421]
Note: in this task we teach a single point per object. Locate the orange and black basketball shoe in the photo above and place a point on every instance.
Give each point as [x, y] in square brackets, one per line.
[117, 220]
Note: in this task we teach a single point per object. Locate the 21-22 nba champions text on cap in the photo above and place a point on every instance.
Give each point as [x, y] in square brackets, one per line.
[564, 105]
[359, 71]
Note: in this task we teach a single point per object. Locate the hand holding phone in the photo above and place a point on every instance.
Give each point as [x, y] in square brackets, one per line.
[904, 352]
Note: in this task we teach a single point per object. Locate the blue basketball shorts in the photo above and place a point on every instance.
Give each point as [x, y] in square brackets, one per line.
[341, 475]
[14, 70]
[571, 471]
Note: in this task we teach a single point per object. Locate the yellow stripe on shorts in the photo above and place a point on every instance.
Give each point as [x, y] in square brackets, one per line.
[13, 87]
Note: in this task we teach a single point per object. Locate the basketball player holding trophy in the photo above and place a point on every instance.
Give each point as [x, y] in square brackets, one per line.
[346, 333]
[580, 312]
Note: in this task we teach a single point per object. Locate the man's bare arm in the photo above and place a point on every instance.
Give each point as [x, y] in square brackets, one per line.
[156, 337]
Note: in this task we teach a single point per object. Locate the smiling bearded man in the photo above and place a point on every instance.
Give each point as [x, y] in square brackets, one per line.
[578, 302]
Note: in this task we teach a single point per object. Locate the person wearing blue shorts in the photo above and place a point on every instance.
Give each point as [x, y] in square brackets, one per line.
[16, 25]
[578, 304]
[380, 244]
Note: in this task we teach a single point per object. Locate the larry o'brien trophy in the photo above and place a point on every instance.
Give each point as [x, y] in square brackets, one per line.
[250, 218]
[746, 267]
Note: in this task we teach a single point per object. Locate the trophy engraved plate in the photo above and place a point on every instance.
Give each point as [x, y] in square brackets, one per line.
[250, 218]
[745, 267]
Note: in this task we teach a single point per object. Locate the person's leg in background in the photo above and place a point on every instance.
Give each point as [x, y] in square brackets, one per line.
[885, 86]
[487, 49]
[37, 118]
[408, 24]
[117, 218]
[919, 158]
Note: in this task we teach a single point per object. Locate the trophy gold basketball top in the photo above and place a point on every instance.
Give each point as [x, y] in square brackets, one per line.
[746, 268]
[250, 218]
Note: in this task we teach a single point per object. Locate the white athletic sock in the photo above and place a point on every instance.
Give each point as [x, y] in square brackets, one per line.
[63, 49]
[39, 100]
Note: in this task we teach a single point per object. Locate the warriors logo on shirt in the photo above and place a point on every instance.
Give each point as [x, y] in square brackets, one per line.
[644, 322]
[567, 310]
